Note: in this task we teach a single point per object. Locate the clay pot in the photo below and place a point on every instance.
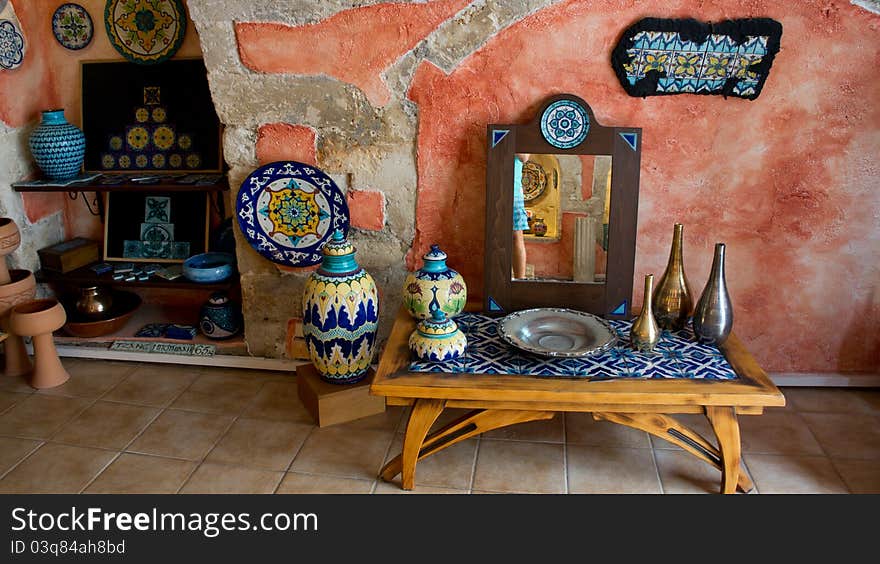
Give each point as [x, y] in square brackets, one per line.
[22, 287]
[10, 239]
[39, 319]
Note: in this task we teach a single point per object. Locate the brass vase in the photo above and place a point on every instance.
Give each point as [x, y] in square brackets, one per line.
[673, 299]
[713, 315]
[645, 333]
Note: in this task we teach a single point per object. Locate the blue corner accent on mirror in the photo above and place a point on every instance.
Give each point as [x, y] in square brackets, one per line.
[493, 305]
[621, 309]
[632, 139]
[498, 135]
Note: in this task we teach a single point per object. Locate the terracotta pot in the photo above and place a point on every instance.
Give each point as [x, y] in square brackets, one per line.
[10, 239]
[39, 319]
[21, 288]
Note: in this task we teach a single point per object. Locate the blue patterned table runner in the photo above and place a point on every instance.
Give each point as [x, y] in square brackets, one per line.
[678, 355]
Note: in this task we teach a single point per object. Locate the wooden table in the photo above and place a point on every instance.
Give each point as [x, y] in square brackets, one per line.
[500, 400]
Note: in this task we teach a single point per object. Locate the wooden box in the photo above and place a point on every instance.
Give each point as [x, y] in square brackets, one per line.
[69, 255]
[330, 404]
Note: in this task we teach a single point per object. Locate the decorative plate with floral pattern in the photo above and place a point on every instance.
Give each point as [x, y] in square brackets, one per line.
[72, 26]
[145, 31]
[287, 210]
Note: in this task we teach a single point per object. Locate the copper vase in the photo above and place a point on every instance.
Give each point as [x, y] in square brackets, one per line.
[673, 299]
[645, 333]
[713, 315]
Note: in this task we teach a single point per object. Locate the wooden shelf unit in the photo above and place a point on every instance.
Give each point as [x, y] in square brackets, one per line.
[86, 277]
[221, 185]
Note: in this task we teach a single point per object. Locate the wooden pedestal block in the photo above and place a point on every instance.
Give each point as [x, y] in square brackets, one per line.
[330, 404]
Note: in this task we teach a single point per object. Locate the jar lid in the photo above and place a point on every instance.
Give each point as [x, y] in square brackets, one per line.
[438, 325]
[338, 246]
[435, 253]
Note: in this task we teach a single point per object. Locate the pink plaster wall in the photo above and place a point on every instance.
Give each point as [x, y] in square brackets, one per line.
[788, 181]
[354, 45]
[285, 142]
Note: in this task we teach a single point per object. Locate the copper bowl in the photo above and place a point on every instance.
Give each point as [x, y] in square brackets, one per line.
[79, 325]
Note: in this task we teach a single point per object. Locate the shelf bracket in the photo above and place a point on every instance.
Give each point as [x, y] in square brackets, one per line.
[96, 206]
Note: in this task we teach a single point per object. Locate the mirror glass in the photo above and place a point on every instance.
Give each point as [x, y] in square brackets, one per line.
[560, 217]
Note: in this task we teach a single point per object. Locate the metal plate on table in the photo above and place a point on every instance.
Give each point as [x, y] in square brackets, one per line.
[557, 332]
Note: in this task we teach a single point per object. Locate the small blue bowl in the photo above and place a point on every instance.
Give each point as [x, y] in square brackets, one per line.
[207, 268]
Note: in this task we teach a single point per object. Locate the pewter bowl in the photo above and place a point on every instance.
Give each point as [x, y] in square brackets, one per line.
[557, 332]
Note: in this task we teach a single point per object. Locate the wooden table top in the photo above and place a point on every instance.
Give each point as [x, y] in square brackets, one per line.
[752, 388]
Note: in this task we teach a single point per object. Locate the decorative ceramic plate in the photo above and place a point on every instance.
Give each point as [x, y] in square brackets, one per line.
[557, 332]
[287, 210]
[72, 26]
[565, 123]
[11, 45]
[534, 181]
[145, 31]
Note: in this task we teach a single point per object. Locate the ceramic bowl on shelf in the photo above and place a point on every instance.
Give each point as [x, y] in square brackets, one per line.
[208, 268]
[557, 332]
[124, 305]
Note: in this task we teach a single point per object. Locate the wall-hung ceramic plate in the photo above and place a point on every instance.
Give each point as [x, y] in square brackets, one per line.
[557, 332]
[287, 210]
[145, 32]
[72, 26]
[565, 124]
[12, 45]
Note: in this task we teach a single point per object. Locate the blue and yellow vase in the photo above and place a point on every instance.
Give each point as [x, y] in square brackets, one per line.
[437, 339]
[340, 314]
[451, 290]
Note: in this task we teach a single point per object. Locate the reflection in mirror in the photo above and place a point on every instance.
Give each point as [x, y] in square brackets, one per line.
[561, 207]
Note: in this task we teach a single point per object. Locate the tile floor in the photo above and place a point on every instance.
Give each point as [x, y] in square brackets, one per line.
[120, 427]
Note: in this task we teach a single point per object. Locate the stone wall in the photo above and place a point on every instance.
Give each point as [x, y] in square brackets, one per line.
[392, 99]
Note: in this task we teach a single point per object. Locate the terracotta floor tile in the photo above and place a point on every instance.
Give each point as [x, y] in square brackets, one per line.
[223, 393]
[261, 443]
[296, 483]
[843, 435]
[860, 476]
[153, 384]
[611, 470]
[776, 432]
[139, 474]
[56, 469]
[871, 396]
[452, 467]
[513, 466]
[791, 474]
[106, 424]
[582, 429]
[389, 420]
[8, 399]
[40, 416]
[91, 379]
[223, 479]
[544, 431]
[181, 434]
[827, 400]
[394, 488]
[14, 383]
[278, 400]
[683, 473]
[353, 453]
[13, 450]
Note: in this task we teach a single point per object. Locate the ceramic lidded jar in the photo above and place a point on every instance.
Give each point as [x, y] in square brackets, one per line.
[437, 339]
[340, 314]
[57, 146]
[219, 318]
[451, 290]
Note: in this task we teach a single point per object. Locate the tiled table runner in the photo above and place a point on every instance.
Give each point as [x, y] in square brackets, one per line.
[677, 355]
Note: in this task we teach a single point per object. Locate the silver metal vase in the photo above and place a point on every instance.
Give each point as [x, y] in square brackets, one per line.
[713, 314]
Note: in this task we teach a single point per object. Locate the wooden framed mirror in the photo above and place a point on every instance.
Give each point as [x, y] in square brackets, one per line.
[561, 212]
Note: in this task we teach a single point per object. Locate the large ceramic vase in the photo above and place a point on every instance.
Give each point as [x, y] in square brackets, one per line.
[340, 315]
[645, 333]
[673, 299]
[713, 315]
[21, 288]
[418, 287]
[58, 147]
[219, 318]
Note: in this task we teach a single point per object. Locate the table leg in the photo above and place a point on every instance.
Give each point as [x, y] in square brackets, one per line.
[726, 429]
[424, 413]
[471, 424]
[669, 429]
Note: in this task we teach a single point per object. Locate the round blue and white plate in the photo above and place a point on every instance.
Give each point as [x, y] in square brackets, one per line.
[287, 210]
[72, 26]
[565, 124]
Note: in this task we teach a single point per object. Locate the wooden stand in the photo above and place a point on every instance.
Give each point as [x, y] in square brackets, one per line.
[330, 404]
